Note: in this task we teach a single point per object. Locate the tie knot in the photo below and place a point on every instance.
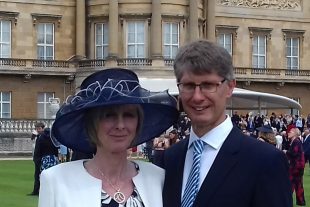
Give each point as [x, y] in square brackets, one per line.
[198, 146]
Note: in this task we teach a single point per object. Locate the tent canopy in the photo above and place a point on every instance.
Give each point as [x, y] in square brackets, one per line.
[241, 99]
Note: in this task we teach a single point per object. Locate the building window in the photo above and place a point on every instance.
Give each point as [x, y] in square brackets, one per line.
[102, 40]
[259, 43]
[43, 105]
[5, 105]
[292, 53]
[136, 39]
[45, 41]
[171, 39]
[5, 39]
[225, 40]
[295, 111]
[225, 35]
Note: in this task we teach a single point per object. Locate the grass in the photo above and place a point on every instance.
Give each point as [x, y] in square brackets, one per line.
[16, 181]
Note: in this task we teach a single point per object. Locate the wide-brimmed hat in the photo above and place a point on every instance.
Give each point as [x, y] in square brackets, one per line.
[114, 86]
[266, 128]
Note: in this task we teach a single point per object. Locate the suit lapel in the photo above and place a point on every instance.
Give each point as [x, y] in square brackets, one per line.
[223, 163]
[176, 166]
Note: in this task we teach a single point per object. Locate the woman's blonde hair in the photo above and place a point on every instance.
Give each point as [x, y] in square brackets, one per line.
[269, 137]
[94, 115]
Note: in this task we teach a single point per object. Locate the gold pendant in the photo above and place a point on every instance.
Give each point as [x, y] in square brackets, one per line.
[119, 197]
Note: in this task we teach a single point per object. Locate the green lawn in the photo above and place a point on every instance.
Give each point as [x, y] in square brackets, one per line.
[16, 180]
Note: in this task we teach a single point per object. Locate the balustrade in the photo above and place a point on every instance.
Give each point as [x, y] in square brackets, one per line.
[134, 61]
[22, 126]
[12, 62]
[50, 63]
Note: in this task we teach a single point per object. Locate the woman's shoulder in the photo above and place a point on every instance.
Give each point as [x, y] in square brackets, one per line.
[64, 168]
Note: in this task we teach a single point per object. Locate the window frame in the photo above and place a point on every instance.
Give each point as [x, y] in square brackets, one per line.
[291, 56]
[260, 32]
[45, 105]
[170, 44]
[293, 34]
[46, 45]
[2, 43]
[103, 45]
[227, 30]
[5, 102]
[257, 54]
[145, 43]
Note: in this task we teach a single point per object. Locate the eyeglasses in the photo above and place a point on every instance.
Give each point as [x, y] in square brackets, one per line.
[205, 87]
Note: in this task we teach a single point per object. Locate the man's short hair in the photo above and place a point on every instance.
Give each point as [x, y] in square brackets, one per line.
[39, 124]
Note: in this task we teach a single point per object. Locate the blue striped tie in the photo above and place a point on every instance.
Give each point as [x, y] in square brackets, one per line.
[192, 184]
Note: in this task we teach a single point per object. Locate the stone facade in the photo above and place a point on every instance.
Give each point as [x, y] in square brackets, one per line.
[15, 144]
[75, 20]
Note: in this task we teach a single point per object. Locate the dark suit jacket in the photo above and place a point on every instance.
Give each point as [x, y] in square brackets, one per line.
[245, 173]
[306, 147]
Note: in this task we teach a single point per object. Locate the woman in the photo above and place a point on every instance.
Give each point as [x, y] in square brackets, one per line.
[296, 159]
[266, 134]
[110, 114]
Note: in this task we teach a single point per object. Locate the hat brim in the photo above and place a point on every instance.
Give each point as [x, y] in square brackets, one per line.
[264, 129]
[69, 128]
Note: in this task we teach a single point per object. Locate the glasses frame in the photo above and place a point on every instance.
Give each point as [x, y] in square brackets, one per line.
[180, 84]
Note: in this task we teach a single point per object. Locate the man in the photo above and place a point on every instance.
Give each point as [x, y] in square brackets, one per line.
[39, 128]
[233, 170]
[295, 156]
[306, 144]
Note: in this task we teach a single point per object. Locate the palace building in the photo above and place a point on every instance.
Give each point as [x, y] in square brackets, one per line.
[47, 47]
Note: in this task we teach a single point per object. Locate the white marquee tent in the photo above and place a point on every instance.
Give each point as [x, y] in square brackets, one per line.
[241, 99]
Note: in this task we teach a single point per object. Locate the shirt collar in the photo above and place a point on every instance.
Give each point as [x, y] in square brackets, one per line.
[216, 136]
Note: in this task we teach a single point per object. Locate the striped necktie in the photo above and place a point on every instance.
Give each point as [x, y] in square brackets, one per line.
[192, 184]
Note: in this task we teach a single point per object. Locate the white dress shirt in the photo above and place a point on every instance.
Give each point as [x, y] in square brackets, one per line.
[214, 140]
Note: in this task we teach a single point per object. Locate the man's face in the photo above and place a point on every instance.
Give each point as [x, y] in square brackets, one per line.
[39, 130]
[206, 110]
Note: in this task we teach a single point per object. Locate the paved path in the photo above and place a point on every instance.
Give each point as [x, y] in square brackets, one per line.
[15, 158]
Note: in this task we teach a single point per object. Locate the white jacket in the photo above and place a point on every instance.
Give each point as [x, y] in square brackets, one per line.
[70, 185]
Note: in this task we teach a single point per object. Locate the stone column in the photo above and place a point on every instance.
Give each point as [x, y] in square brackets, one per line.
[80, 43]
[113, 29]
[193, 20]
[211, 21]
[156, 34]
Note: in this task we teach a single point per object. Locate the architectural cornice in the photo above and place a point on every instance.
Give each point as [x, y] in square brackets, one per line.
[12, 16]
[265, 4]
[52, 17]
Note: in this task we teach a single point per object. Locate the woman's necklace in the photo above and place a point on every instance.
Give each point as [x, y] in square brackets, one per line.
[118, 196]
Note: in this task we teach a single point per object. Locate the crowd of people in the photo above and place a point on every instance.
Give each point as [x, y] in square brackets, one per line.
[288, 133]
[205, 158]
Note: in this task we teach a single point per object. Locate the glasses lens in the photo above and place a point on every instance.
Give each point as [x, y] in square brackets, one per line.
[187, 87]
[208, 87]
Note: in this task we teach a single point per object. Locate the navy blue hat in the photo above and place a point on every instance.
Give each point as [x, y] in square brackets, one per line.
[114, 86]
[266, 128]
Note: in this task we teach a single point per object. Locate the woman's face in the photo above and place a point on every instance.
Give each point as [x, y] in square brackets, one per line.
[117, 127]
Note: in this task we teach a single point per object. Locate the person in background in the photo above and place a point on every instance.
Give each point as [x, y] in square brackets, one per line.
[295, 156]
[63, 151]
[160, 144]
[266, 134]
[173, 137]
[110, 114]
[149, 150]
[45, 151]
[279, 139]
[34, 136]
[229, 169]
[39, 128]
[306, 145]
